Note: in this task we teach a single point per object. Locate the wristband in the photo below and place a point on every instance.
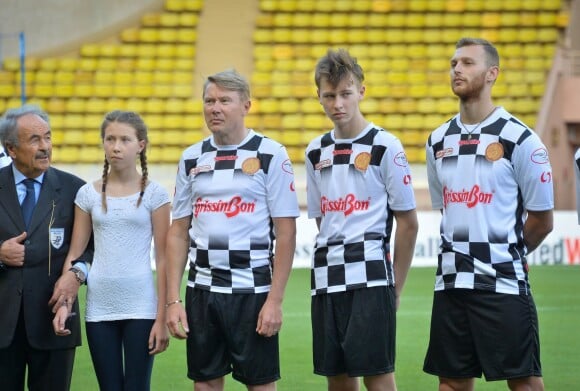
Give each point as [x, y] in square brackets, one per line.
[173, 302]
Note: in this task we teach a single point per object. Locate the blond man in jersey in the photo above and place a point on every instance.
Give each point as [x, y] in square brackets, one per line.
[234, 195]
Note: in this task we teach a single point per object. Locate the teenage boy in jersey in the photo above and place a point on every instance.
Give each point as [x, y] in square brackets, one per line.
[358, 179]
[490, 176]
[234, 196]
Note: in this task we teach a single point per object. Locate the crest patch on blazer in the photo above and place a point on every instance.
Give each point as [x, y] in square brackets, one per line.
[56, 237]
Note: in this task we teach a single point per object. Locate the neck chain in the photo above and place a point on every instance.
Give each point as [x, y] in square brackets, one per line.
[478, 124]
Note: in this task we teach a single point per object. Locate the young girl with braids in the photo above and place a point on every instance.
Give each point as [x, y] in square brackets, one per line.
[124, 211]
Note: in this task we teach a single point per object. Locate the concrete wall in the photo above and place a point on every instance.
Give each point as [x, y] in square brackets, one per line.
[54, 27]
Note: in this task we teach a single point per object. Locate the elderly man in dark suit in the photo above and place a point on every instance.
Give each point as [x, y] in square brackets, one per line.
[32, 255]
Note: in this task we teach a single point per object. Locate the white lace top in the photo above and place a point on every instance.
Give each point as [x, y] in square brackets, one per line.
[120, 283]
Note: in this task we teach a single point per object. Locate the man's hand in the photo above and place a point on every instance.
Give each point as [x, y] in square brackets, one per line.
[269, 319]
[12, 251]
[176, 320]
[65, 292]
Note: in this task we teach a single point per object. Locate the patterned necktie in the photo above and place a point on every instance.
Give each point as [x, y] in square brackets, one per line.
[29, 201]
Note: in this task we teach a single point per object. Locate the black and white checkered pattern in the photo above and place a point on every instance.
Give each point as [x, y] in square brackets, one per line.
[232, 205]
[353, 185]
[484, 196]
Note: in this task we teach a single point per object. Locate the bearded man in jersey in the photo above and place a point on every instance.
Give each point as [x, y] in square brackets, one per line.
[358, 181]
[490, 176]
[234, 195]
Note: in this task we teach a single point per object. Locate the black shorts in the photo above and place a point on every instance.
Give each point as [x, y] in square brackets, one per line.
[353, 332]
[478, 331]
[222, 338]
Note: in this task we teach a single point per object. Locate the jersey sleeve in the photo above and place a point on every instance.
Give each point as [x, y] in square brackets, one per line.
[313, 194]
[533, 173]
[435, 187]
[182, 200]
[397, 172]
[281, 189]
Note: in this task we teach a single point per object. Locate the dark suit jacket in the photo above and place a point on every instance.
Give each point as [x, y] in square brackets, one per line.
[46, 247]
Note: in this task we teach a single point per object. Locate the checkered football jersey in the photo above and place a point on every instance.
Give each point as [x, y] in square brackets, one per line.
[232, 194]
[484, 186]
[353, 186]
[577, 171]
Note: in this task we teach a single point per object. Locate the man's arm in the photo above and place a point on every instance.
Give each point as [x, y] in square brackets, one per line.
[176, 253]
[405, 237]
[538, 225]
[270, 317]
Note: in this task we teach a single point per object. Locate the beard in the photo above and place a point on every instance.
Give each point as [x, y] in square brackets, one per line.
[470, 89]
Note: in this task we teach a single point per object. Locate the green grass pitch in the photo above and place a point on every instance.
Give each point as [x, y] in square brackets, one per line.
[555, 290]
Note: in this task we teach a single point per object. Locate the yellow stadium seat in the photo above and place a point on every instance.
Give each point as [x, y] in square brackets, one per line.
[40, 90]
[90, 50]
[150, 35]
[131, 35]
[136, 104]
[154, 105]
[533, 5]
[269, 106]
[447, 106]
[67, 154]
[75, 105]
[185, 35]
[184, 64]
[150, 19]
[172, 133]
[168, 19]
[415, 20]
[188, 19]
[193, 5]
[95, 105]
[369, 105]
[171, 154]
[291, 121]
[91, 154]
[173, 105]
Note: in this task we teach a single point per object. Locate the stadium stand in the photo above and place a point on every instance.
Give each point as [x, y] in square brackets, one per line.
[404, 46]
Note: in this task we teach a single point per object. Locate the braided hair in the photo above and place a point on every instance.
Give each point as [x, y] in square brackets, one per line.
[136, 122]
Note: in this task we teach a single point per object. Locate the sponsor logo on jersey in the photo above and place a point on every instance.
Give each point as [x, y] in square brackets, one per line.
[468, 142]
[251, 166]
[407, 179]
[342, 152]
[230, 208]
[287, 166]
[196, 170]
[401, 159]
[546, 177]
[228, 157]
[443, 153]
[493, 152]
[540, 156]
[470, 197]
[362, 161]
[347, 205]
[324, 163]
